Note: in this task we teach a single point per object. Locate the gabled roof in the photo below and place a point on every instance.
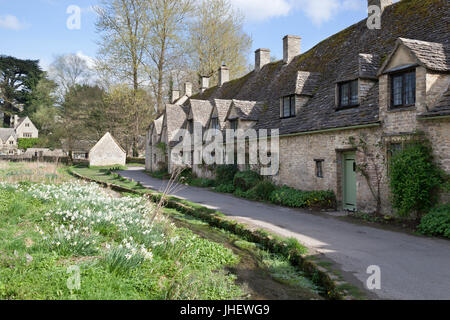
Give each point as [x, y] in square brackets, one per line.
[106, 137]
[223, 107]
[432, 55]
[248, 110]
[301, 83]
[175, 119]
[158, 123]
[201, 111]
[6, 133]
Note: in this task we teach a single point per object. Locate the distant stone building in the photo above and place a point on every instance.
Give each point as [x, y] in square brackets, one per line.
[385, 84]
[21, 128]
[107, 152]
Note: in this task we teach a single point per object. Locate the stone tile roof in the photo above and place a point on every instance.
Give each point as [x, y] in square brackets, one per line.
[442, 108]
[159, 124]
[302, 83]
[5, 133]
[201, 111]
[345, 53]
[434, 56]
[223, 107]
[175, 119]
[248, 110]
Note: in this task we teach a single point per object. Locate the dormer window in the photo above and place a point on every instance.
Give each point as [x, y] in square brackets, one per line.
[234, 124]
[288, 106]
[215, 123]
[403, 89]
[348, 94]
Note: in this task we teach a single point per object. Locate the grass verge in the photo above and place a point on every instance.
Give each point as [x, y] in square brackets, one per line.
[289, 249]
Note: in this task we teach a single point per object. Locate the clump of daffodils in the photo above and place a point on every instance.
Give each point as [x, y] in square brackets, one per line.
[82, 213]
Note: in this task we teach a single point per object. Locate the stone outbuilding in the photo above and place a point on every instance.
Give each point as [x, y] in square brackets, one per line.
[107, 152]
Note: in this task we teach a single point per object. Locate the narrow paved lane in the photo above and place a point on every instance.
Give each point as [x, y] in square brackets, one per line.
[412, 267]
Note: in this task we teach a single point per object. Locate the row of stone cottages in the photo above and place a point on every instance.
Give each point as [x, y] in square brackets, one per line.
[385, 85]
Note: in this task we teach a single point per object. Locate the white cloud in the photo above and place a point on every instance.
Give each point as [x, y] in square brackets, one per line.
[11, 22]
[319, 11]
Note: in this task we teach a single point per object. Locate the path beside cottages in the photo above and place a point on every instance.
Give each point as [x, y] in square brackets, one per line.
[412, 267]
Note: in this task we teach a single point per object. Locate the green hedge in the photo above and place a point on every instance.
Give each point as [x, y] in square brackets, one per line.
[290, 197]
[225, 188]
[437, 222]
[225, 173]
[414, 179]
[27, 143]
[203, 183]
[246, 180]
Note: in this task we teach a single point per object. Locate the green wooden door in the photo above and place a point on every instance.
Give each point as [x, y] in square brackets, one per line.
[349, 182]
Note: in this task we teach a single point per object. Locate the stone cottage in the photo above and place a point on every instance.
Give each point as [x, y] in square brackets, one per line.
[21, 128]
[107, 152]
[382, 85]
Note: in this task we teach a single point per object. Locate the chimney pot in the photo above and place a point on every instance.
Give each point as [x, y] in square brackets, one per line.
[188, 89]
[224, 75]
[175, 95]
[204, 84]
[291, 48]
[262, 57]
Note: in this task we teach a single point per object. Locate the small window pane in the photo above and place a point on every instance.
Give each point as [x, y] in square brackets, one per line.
[397, 90]
[319, 168]
[354, 92]
[215, 123]
[410, 88]
[345, 99]
[286, 107]
[292, 106]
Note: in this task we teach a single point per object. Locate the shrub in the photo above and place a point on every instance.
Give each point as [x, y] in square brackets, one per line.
[246, 180]
[303, 199]
[186, 176]
[203, 183]
[225, 173]
[437, 222]
[249, 194]
[414, 178]
[27, 143]
[264, 189]
[225, 188]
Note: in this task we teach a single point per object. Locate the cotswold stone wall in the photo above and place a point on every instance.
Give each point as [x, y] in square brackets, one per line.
[438, 132]
[298, 166]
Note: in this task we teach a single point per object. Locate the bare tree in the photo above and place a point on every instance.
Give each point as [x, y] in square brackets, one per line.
[166, 20]
[125, 35]
[216, 36]
[69, 70]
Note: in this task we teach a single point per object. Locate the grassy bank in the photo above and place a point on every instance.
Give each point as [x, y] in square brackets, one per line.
[288, 248]
[121, 247]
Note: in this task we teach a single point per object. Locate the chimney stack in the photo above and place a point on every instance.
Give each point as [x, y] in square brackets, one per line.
[382, 4]
[188, 89]
[15, 121]
[224, 75]
[175, 95]
[262, 57]
[205, 83]
[291, 48]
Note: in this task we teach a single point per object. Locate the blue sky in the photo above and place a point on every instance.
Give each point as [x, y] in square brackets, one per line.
[36, 29]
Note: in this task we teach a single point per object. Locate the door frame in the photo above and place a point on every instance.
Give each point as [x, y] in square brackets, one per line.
[345, 156]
